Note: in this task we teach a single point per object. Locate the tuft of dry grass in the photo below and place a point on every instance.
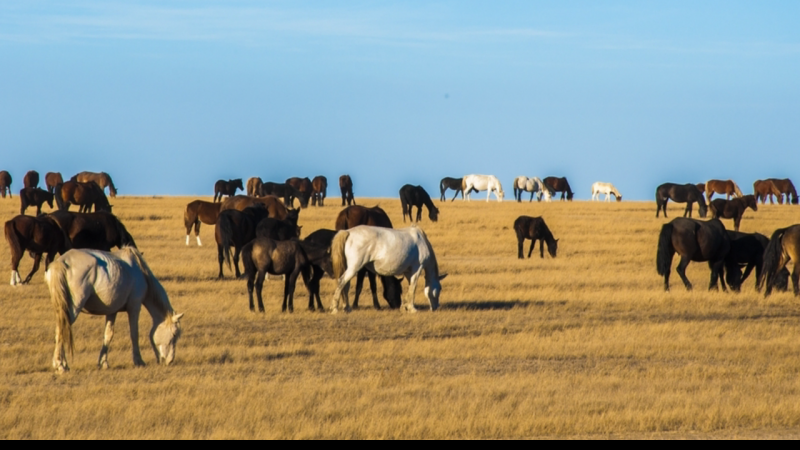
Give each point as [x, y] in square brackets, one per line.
[583, 345]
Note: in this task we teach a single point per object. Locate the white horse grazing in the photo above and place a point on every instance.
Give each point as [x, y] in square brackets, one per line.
[605, 188]
[533, 185]
[387, 252]
[102, 283]
[488, 183]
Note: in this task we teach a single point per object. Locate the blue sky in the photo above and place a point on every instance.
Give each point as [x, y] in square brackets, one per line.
[169, 96]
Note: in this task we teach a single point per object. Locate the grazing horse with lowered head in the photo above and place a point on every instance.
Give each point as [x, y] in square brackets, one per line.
[784, 246]
[95, 231]
[319, 190]
[283, 191]
[85, 195]
[488, 183]
[694, 240]
[389, 253]
[605, 188]
[5, 184]
[101, 178]
[701, 187]
[534, 228]
[37, 235]
[346, 187]
[411, 196]
[31, 179]
[199, 211]
[254, 186]
[102, 283]
[786, 187]
[265, 256]
[235, 229]
[533, 185]
[34, 197]
[229, 188]
[726, 187]
[303, 189]
[680, 193]
[747, 250]
[733, 209]
[455, 184]
[51, 180]
[560, 184]
[764, 189]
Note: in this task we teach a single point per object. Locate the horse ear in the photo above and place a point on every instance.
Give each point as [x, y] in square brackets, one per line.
[442, 277]
[177, 317]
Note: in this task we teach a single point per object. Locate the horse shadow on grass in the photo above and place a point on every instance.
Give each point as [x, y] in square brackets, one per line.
[491, 305]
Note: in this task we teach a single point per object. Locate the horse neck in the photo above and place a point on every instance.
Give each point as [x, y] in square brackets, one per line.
[428, 202]
[545, 233]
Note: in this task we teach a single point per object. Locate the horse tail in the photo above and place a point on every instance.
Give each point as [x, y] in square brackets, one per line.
[737, 190]
[226, 236]
[59, 198]
[664, 255]
[338, 258]
[13, 240]
[772, 258]
[125, 237]
[61, 299]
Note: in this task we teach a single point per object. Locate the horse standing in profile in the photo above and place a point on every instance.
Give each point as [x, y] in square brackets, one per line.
[346, 187]
[199, 211]
[96, 231]
[694, 240]
[764, 189]
[319, 191]
[534, 228]
[533, 185]
[680, 193]
[104, 284]
[560, 184]
[747, 250]
[389, 253]
[264, 256]
[51, 180]
[726, 187]
[733, 209]
[229, 188]
[784, 246]
[451, 183]
[37, 235]
[605, 188]
[85, 195]
[411, 196]
[5, 184]
[254, 186]
[488, 183]
[101, 178]
[785, 187]
[34, 197]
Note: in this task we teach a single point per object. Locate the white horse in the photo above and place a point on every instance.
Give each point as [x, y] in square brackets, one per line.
[488, 183]
[533, 185]
[605, 188]
[102, 283]
[387, 252]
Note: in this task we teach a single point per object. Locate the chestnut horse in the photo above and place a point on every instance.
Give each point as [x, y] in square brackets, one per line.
[560, 185]
[764, 189]
[319, 190]
[275, 206]
[5, 184]
[727, 187]
[51, 180]
[95, 231]
[34, 197]
[346, 186]
[85, 195]
[733, 209]
[222, 188]
[784, 246]
[303, 189]
[37, 235]
[254, 185]
[31, 179]
[199, 211]
[785, 186]
[101, 178]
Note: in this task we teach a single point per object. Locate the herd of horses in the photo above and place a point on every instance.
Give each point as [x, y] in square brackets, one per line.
[261, 229]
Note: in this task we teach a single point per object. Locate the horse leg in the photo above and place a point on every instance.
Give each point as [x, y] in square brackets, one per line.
[530, 251]
[520, 242]
[291, 283]
[541, 247]
[373, 286]
[342, 286]
[796, 279]
[15, 278]
[251, 277]
[36, 261]
[221, 259]
[102, 363]
[685, 260]
[716, 271]
[419, 213]
[359, 286]
[59, 355]
[688, 210]
[736, 221]
[236, 253]
[133, 320]
[262, 274]
[197, 232]
[454, 197]
[412, 288]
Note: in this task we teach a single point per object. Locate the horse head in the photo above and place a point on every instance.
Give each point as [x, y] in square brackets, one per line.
[237, 183]
[164, 338]
[703, 209]
[433, 290]
[552, 248]
[433, 213]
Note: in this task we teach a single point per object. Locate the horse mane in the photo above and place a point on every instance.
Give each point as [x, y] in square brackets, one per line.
[155, 291]
[430, 249]
[736, 189]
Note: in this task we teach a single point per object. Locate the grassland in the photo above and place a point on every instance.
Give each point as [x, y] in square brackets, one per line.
[583, 345]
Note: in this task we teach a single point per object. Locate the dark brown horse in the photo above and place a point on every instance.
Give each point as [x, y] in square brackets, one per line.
[764, 189]
[31, 179]
[34, 197]
[346, 186]
[101, 178]
[51, 180]
[411, 196]
[281, 190]
[784, 246]
[199, 211]
[534, 228]
[701, 187]
[5, 184]
[37, 235]
[319, 190]
[274, 205]
[559, 185]
[97, 231]
[222, 188]
[747, 250]
[254, 185]
[303, 189]
[278, 230]
[694, 240]
[725, 187]
[265, 256]
[680, 193]
[85, 195]
[235, 229]
[451, 183]
[733, 209]
[785, 187]
[353, 216]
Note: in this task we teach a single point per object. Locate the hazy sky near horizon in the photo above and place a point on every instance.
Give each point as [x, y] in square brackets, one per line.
[169, 96]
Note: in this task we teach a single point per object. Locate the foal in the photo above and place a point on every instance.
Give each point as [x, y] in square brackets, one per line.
[534, 228]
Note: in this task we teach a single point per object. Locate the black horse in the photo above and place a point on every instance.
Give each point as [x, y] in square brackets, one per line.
[278, 230]
[346, 187]
[534, 228]
[694, 240]
[454, 184]
[97, 231]
[36, 235]
[747, 251]
[285, 191]
[680, 193]
[262, 256]
[222, 188]
[411, 196]
[34, 197]
[235, 229]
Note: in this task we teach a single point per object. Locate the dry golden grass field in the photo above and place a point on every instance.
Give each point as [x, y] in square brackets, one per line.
[583, 345]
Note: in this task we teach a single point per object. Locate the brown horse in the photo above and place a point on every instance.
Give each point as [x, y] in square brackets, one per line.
[38, 235]
[784, 246]
[264, 255]
[319, 187]
[235, 229]
[51, 180]
[223, 188]
[5, 184]
[97, 231]
[254, 186]
[34, 197]
[786, 187]
[85, 195]
[534, 228]
[701, 187]
[353, 216]
[274, 205]
[727, 187]
[560, 185]
[694, 240]
[199, 211]
[31, 179]
[101, 178]
[764, 189]
[346, 186]
[304, 190]
[733, 209]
